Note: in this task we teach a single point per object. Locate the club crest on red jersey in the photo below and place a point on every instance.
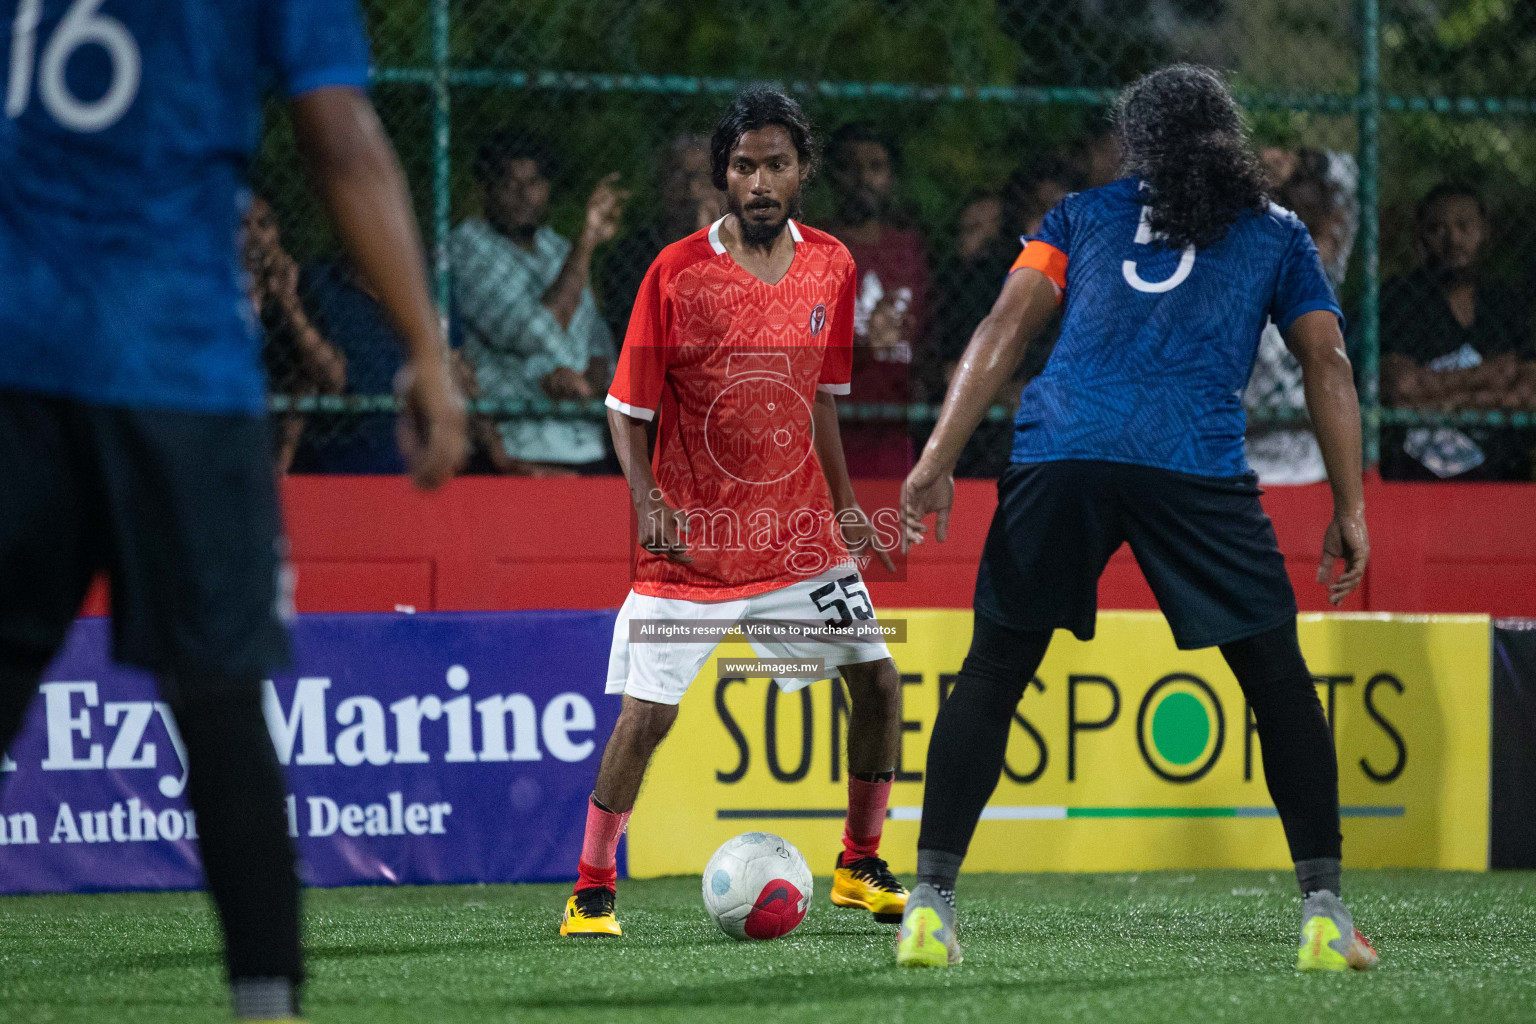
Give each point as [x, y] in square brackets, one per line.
[818, 319]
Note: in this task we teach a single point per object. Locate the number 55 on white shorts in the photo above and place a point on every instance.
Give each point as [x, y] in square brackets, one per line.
[661, 670]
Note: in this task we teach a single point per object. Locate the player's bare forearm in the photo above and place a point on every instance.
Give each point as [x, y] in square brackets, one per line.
[355, 170]
[1318, 345]
[631, 446]
[857, 530]
[660, 529]
[829, 449]
[1027, 302]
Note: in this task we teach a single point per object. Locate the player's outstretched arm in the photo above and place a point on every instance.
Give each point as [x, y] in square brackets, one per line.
[1025, 306]
[661, 529]
[353, 166]
[858, 532]
[1318, 345]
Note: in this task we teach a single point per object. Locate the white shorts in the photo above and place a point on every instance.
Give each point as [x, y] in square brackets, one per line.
[662, 671]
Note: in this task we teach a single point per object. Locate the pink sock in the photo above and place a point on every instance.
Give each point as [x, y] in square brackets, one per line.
[600, 848]
[866, 817]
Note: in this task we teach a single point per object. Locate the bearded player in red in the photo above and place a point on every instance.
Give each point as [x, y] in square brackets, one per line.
[740, 337]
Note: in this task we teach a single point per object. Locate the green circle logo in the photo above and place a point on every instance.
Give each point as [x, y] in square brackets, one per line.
[1180, 728]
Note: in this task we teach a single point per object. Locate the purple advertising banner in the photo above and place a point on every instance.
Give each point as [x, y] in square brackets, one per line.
[417, 749]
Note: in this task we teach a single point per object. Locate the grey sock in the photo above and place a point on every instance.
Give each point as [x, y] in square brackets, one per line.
[262, 998]
[1320, 874]
[939, 868]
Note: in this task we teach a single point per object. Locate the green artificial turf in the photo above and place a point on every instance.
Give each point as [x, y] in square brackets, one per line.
[1193, 947]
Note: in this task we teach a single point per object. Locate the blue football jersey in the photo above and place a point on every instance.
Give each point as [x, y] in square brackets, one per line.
[125, 136]
[1157, 344]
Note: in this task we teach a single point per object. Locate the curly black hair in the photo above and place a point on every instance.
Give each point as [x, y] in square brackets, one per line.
[1451, 188]
[751, 111]
[508, 145]
[1185, 139]
[862, 131]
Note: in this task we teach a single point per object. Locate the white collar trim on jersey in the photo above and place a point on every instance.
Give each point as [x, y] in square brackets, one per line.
[719, 246]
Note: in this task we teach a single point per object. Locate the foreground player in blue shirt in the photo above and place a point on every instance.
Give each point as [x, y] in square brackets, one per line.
[1134, 434]
[133, 438]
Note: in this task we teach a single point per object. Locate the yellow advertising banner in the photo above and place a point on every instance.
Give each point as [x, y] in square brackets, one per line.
[1126, 753]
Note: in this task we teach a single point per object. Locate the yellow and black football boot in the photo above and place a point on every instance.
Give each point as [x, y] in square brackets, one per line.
[867, 884]
[589, 913]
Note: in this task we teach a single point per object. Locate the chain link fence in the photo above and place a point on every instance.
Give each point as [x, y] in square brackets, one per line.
[951, 127]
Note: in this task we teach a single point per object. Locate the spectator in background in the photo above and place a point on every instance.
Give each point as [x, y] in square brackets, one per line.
[1320, 188]
[298, 358]
[981, 226]
[1280, 163]
[984, 250]
[346, 310]
[1034, 190]
[889, 253]
[990, 233]
[1452, 339]
[1097, 160]
[689, 203]
[890, 311]
[531, 326]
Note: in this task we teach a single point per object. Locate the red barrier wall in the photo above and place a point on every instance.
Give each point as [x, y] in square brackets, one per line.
[371, 543]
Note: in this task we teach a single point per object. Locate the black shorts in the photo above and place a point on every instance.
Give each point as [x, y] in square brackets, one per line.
[179, 509]
[1204, 543]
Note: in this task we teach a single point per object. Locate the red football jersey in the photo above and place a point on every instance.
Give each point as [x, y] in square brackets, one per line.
[729, 366]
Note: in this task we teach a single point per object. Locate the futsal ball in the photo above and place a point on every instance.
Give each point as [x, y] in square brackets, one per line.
[757, 886]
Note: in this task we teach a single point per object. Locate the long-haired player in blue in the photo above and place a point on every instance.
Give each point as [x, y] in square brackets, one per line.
[1133, 433]
[133, 434]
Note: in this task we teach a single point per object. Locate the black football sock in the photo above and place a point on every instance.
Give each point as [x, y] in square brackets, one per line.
[1300, 765]
[235, 787]
[970, 736]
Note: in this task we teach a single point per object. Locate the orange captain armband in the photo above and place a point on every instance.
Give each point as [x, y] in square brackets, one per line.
[1047, 259]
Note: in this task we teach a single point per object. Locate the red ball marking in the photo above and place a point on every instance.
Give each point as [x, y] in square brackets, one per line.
[779, 909]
